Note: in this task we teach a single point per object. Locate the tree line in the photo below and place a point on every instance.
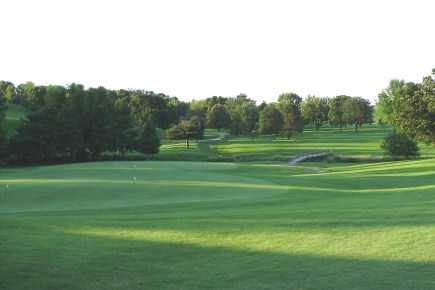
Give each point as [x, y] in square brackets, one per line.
[77, 124]
[72, 123]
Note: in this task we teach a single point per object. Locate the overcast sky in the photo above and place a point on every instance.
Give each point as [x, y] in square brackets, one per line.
[196, 49]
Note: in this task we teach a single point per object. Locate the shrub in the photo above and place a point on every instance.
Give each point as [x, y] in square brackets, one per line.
[399, 145]
[150, 140]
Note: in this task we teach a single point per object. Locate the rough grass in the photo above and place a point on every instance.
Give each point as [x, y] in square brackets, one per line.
[195, 225]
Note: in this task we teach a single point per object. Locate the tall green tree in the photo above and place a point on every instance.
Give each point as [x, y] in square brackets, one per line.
[271, 120]
[388, 100]
[414, 111]
[249, 116]
[38, 138]
[149, 108]
[149, 142]
[10, 94]
[357, 111]
[218, 117]
[315, 111]
[121, 129]
[336, 111]
[3, 109]
[289, 104]
[244, 114]
[236, 125]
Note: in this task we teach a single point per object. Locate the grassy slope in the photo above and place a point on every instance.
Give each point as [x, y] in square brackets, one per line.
[187, 225]
[197, 151]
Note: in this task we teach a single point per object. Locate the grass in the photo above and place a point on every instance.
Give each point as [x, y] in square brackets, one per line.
[365, 143]
[198, 225]
[14, 114]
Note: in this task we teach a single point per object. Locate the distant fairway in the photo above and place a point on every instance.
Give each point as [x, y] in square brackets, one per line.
[364, 145]
[345, 142]
[197, 225]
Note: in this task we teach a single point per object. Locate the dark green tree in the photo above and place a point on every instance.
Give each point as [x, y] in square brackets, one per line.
[400, 145]
[236, 125]
[149, 140]
[414, 111]
[38, 140]
[336, 111]
[218, 117]
[289, 104]
[3, 109]
[357, 111]
[122, 124]
[271, 120]
[390, 98]
[315, 111]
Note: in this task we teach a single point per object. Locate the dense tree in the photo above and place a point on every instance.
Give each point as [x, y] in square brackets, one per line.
[198, 108]
[10, 94]
[215, 100]
[177, 110]
[289, 104]
[38, 139]
[95, 124]
[388, 100]
[77, 124]
[149, 141]
[3, 87]
[336, 110]
[271, 120]
[236, 125]
[244, 114]
[261, 106]
[315, 111]
[414, 110]
[357, 111]
[400, 145]
[122, 128]
[249, 116]
[218, 117]
[3, 108]
[157, 110]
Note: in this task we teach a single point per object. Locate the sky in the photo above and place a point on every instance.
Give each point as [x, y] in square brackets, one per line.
[195, 49]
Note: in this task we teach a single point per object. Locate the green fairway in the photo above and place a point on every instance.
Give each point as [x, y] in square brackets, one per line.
[197, 225]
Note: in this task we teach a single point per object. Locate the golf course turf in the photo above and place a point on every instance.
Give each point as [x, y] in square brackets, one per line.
[203, 225]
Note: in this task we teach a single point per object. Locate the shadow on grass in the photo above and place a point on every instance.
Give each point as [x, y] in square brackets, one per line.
[70, 261]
